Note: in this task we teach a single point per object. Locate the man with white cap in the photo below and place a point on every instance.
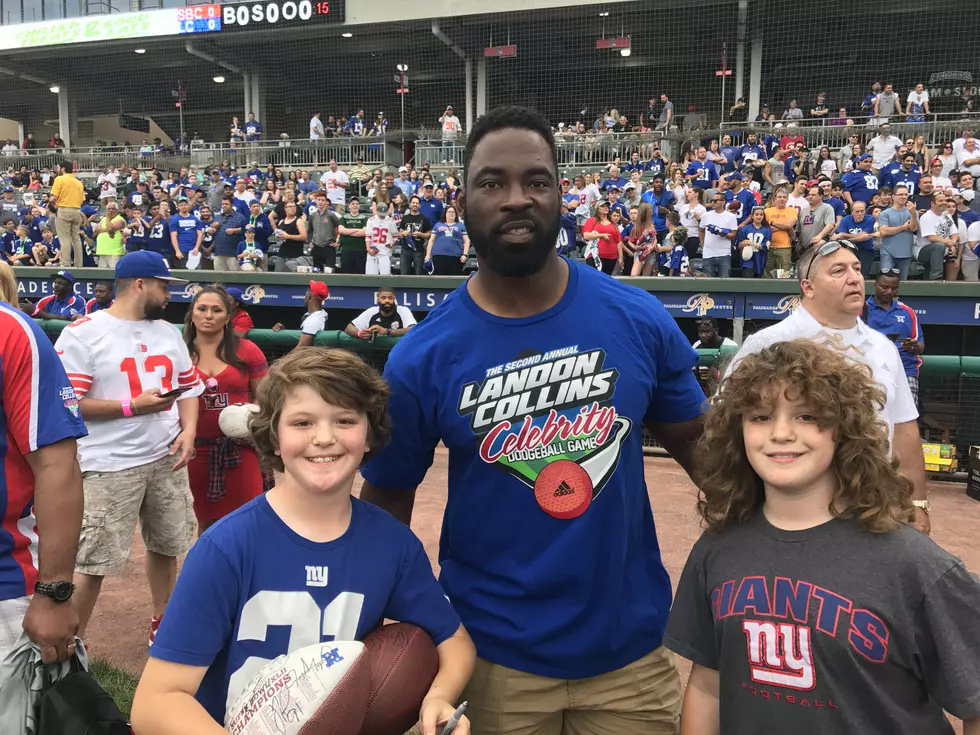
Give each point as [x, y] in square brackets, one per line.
[402, 182]
[382, 232]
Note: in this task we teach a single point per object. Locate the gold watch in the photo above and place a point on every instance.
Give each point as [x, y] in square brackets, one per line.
[924, 504]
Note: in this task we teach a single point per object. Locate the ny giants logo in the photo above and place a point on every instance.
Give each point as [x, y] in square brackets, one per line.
[781, 653]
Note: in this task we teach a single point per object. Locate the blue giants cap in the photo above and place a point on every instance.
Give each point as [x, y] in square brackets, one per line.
[66, 275]
[236, 293]
[144, 264]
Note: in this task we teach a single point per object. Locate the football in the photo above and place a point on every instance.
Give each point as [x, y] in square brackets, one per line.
[403, 662]
[323, 688]
[233, 420]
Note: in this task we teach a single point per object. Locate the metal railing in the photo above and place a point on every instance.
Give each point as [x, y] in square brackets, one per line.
[376, 151]
[590, 148]
[94, 159]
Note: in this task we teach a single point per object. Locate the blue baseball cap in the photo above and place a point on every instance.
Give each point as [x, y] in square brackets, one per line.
[66, 275]
[7, 188]
[735, 176]
[863, 157]
[236, 293]
[144, 264]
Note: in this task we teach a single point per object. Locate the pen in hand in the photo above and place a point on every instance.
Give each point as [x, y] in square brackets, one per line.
[454, 720]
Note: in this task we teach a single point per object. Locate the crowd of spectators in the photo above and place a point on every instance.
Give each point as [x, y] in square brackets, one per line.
[745, 204]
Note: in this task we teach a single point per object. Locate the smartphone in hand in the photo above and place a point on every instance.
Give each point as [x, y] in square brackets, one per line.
[176, 392]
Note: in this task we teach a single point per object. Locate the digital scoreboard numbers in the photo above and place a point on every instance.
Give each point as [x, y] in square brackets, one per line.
[199, 19]
[258, 15]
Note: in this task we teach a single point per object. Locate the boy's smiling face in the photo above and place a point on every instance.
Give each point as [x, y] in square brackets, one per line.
[786, 446]
[321, 445]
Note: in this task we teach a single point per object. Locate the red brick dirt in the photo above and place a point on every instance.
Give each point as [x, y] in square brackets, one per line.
[118, 630]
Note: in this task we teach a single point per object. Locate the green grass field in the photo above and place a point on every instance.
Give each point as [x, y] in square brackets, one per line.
[119, 684]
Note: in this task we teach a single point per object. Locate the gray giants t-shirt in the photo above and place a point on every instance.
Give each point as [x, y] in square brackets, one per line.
[833, 629]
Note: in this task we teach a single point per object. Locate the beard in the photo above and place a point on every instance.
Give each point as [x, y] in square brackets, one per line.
[154, 312]
[515, 261]
[387, 308]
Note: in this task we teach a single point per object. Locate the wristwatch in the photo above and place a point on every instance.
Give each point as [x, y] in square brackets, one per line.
[57, 591]
[924, 504]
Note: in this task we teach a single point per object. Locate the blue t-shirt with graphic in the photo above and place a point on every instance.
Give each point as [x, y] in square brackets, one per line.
[186, 228]
[252, 589]
[548, 549]
[449, 239]
[866, 226]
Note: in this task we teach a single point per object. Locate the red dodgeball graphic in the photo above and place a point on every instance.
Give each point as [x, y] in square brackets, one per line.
[563, 490]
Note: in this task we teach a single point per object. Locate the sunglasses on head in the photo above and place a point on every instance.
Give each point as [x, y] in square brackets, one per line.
[826, 249]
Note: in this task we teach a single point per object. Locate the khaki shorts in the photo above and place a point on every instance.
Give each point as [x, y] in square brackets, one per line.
[643, 698]
[160, 498]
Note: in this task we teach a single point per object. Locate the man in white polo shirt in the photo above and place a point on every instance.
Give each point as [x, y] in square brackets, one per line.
[137, 391]
[830, 312]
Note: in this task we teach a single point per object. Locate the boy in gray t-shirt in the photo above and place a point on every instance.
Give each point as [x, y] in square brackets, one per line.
[809, 606]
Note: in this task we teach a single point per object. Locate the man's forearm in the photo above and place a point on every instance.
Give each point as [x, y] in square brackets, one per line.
[97, 409]
[680, 440]
[58, 503]
[908, 448]
[187, 412]
[397, 502]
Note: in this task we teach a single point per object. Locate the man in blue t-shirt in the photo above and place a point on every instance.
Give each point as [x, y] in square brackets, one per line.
[548, 550]
[185, 232]
[430, 207]
[858, 228]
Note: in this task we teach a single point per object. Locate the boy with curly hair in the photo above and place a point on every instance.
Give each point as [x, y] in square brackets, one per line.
[301, 564]
[809, 605]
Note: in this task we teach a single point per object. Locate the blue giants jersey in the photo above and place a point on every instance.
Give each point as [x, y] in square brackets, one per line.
[566, 235]
[38, 407]
[761, 236]
[252, 589]
[899, 319]
[548, 548]
[862, 185]
[158, 237]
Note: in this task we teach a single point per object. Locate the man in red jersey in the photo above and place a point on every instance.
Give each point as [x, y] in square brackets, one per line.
[39, 474]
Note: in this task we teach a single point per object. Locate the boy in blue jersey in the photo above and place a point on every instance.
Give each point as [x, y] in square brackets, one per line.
[548, 548]
[135, 231]
[680, 264]
[158, 229]
[302, 564]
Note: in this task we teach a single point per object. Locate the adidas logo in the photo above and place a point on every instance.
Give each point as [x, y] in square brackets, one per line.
[564, 489]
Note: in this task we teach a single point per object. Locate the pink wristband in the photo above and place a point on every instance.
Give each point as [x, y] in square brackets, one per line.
[127, 411]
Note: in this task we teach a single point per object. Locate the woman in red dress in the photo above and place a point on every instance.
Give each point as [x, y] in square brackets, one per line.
[225, 472]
